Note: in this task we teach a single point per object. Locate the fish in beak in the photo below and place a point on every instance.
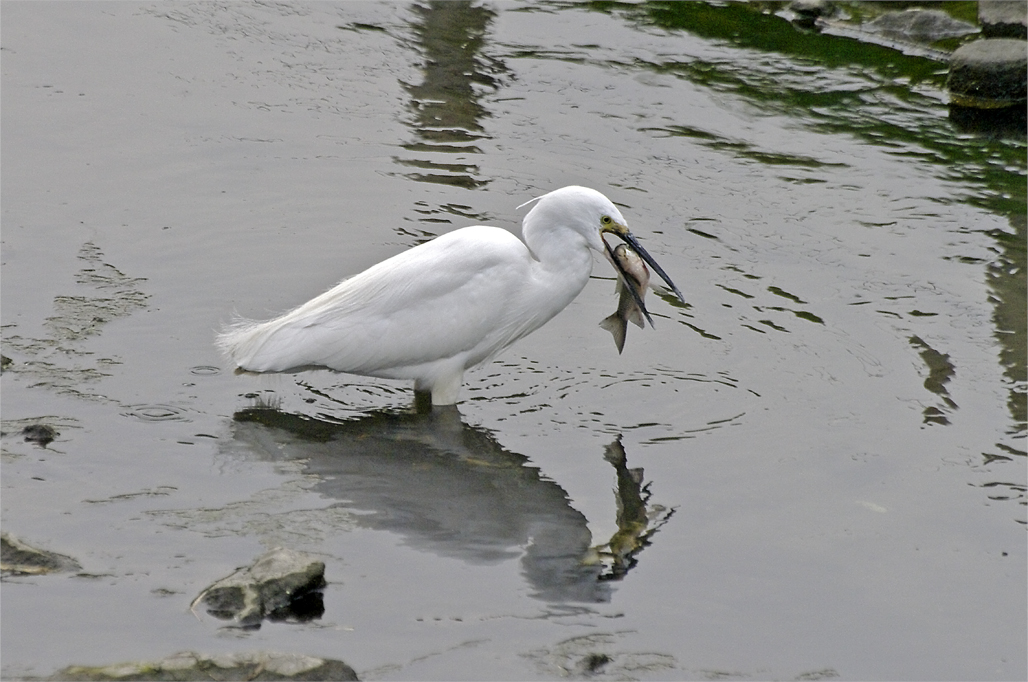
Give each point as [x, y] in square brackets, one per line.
[633, 278]
[620, 231]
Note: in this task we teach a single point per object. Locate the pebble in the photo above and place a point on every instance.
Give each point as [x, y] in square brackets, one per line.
[39, 433]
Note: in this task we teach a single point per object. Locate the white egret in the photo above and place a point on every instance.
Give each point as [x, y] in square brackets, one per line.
[440, 308]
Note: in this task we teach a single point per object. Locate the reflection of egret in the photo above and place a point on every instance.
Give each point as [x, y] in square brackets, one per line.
[432, 312]
[446, 487]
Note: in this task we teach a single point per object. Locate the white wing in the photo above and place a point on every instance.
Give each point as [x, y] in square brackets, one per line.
[457, 295]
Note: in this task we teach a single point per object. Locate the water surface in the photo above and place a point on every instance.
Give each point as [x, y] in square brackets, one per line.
[830, 432]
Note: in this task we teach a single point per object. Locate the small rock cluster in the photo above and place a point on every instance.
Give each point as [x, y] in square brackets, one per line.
[282, 584]
[987, 75]
[990, 72]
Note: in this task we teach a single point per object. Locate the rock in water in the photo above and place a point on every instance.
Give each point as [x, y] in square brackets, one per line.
[20, 559]
[244, 665]
[1003, 18]
[920, 25]
[989, 74]
[265, 588]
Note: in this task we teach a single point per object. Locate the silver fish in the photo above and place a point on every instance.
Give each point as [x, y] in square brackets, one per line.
[633, 278]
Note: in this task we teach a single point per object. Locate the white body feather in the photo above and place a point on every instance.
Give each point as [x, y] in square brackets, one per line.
[432, 312]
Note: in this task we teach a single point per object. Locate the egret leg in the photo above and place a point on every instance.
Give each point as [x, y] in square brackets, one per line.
[422, 401]
[446, 389]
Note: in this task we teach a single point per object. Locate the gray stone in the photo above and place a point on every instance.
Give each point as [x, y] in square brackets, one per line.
[258, 591]
[245, 665]
[39, 433]
[20, 559]
[989, 74]
[1003, 18]
[812, 8]
[807, 14]
[919, 25]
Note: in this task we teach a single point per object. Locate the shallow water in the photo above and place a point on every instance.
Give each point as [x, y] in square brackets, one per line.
[831, 432]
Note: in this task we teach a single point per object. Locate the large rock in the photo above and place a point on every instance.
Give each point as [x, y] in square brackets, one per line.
[919, 25]
[1003, 18]
[989, 74]
[255, 665]
[266, 588]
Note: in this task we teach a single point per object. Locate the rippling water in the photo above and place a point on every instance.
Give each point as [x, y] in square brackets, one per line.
[813, 469]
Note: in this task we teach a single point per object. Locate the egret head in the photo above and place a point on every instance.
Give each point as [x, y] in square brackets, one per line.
[583, 210]
[591, 215]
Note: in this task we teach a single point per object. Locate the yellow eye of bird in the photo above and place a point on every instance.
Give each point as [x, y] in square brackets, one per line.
[606, 220]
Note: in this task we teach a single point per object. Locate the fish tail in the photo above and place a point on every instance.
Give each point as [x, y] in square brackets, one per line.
[617, 326]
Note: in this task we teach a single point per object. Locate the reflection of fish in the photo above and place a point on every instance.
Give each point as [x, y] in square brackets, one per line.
[637, 519]
[633, 278]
